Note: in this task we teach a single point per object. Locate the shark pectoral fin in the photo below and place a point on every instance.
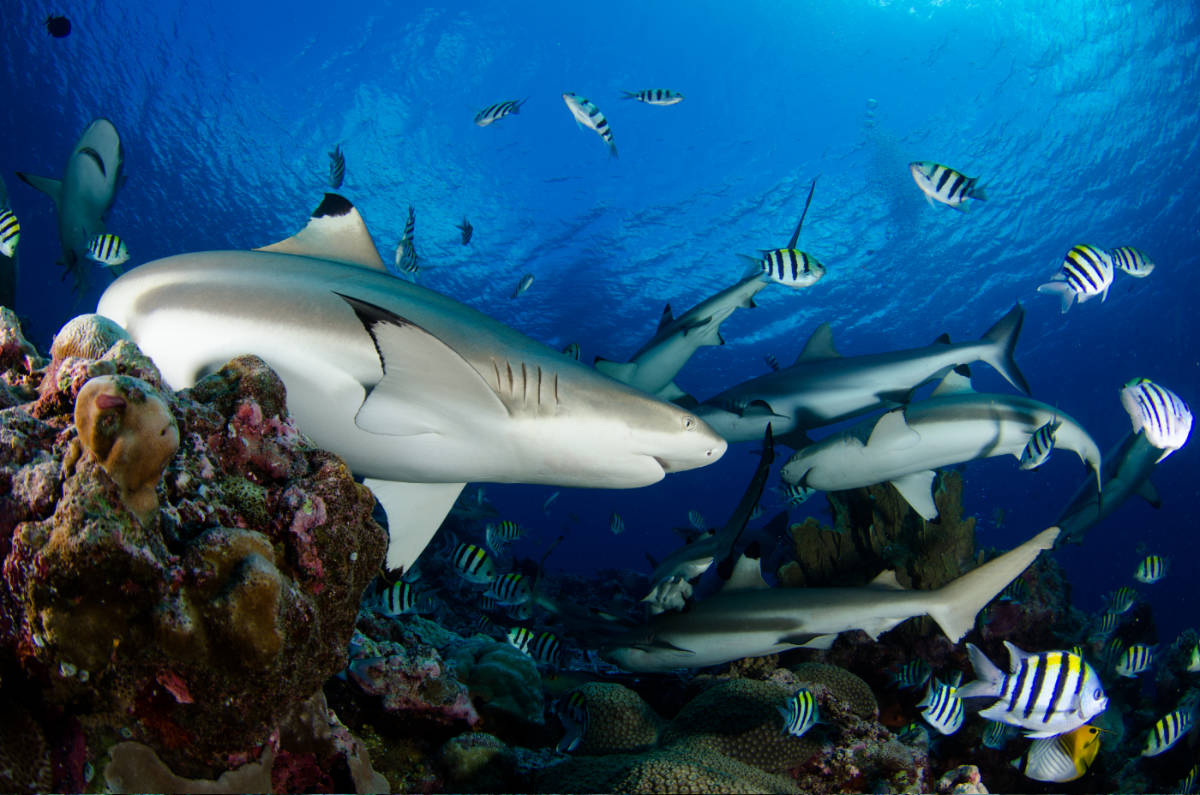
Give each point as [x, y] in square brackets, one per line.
[893, 431]
[415, 512]
[795, 439]
[409, 354]
[334, 231]
[917, 490]
[48, 186]
[955, 383]
[666, 318]
[1149, 493]
[671, 392]
[819, 346]
[621, 371]
[902, 396]
[876, 628]
[821, 642]
[760, 408]
[746, 576]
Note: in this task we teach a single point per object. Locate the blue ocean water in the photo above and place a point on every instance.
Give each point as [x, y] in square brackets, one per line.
[1081, 118]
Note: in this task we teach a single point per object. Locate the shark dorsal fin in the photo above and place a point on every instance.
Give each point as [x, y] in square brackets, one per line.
[666, 318]
[335, 231]
[892, 430]
[955, 383]
[819, 346]
[887, 579]
[746, 576]
[944, 339]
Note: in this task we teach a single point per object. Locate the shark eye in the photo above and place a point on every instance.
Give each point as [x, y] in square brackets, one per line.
[689, 423]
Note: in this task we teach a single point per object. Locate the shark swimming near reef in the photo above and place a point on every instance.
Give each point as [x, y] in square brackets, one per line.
[746, 618]
[85, 193]
[1127, 469]
[416, 391]
[824, 387]
[904, 446]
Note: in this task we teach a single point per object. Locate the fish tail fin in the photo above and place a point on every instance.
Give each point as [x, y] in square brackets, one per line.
[1063, 290]
[977, 191]
[1002, 345]
[957, 603]
[612, 149]
[629, 95]
[989, 680]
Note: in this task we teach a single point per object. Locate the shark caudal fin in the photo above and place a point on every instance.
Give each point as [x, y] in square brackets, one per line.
[957, 603]
[1002, 341]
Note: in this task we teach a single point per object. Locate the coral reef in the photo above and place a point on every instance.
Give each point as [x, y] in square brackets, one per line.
[500, 677]
[874, 528]
[619, 721]
[410, 680]
[195, 629]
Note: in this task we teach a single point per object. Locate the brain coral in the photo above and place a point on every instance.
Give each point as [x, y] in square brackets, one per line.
[670, 769]
[618, 720]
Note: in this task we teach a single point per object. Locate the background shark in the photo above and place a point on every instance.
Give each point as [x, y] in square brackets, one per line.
[85, 193]
[654, 367]
[417, 392]
[824, 387]
[748, 619]
[1127, 470]
[907, 444]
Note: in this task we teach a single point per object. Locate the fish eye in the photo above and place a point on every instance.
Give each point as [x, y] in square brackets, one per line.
[689, 423]
[1097, 694]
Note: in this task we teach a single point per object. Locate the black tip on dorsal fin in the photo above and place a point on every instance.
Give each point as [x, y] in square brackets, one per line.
[963, 370]
[332, 205]
[944, 339]
[753, 551]
[666, 317]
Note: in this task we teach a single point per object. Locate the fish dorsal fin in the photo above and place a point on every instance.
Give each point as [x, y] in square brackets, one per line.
[335, 231]
[955, 383]
[746, 576]
[1015, 655]
[666, 318]
[891, 429]
[819, 346]
[886, 579]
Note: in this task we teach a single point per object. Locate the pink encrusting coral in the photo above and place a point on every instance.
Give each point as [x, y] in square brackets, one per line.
[195, 624]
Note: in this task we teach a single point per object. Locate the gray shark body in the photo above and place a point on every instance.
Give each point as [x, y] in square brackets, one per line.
[416, 391]
[748, 619]
[85, 193]
[1127, 470]
[906, 445]
[823, 387]
[654, 367]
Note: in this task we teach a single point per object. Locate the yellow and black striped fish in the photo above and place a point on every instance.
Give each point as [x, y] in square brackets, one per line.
[1152, 569]
[520, 638]
[1159, 413]
[1087, 271]
[944, 708]
[498, 111]
[1132, 261]
[1136, 659]
[944, 184]
[790, 267]
[1046, 694]
[500, 535]
[1040, 445]
[545, 649]
[401, 598]
[799, 712]
[1168, 731]
[573, 713]
[588, 115]
[473, 564]
[108, 249]
[10, 233]
[511, 589]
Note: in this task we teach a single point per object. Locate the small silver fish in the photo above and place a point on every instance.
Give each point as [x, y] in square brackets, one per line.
[337, 167]
[523, 285]
[498, 111]
[655, 96]
[467, 230]
[588, 115]
[945, 185]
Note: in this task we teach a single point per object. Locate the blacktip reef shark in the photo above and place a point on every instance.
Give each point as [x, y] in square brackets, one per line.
[671, 585]
[416, 391]
[904, 446]
[654, 367]
[85, 193]
[748, 619]
[824, 387]
[1127, 470]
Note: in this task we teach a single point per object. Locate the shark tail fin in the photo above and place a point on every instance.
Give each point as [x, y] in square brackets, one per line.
[957, 603]
[1002, 341]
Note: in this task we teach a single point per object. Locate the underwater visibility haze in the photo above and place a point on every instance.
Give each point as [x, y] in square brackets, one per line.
[570, 169]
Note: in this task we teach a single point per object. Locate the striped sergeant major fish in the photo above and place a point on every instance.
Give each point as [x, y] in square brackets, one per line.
[588, 115]
[616, 524]
[1187, 784]
[401, 598]
[1152, 569]
[500, 535]
[997, 735]
[696, 520]
[1130, 260]
[913, 673]
[1136, 659]
[1060, 759]
[795, 494]
[473, 564]
[1041, 444]
[789, 266]
[1107, 622]
[523, 285]
[1121, 600]
[1167, 731]
[799, 713]
[1046, 694]
[573, 712]
[654, 96]
[337, 167]
[498, 111]
[1087, 271]
[944, 184]
[108, 250]
[520, 638]
[944, 708]
[546, 649]
[406, 250]
[1157, 411]
[772, 362]
[511, 589]
[10, 233]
